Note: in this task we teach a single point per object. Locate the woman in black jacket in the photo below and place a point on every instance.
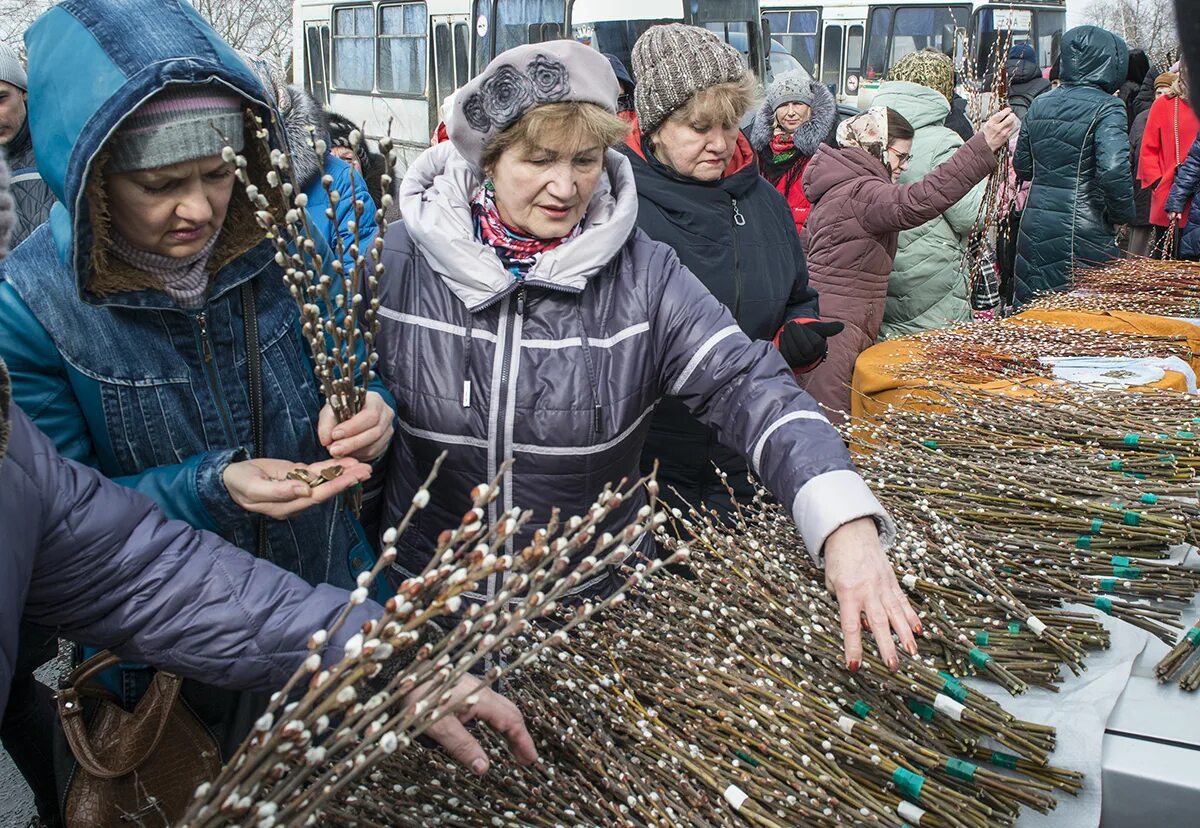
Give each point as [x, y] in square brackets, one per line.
[699, 190]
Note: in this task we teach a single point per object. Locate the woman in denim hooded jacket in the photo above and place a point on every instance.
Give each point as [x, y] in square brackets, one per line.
[122, 319]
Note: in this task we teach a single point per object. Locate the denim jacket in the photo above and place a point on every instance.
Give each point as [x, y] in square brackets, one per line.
[151, 394]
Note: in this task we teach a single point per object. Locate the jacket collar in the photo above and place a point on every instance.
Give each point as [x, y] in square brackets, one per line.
[739, 177]
[435, 203]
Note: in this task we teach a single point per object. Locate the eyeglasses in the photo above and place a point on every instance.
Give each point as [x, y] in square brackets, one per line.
[902, 158]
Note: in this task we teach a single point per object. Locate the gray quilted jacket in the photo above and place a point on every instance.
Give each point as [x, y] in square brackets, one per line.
[561, 371]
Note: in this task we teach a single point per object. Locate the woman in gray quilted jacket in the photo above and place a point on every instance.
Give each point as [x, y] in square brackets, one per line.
[526, 319]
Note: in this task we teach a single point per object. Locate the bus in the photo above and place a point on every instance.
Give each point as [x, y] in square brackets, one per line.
[851, 45]
[390, 64]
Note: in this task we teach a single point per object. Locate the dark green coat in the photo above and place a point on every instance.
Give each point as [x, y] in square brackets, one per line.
[1075, 147]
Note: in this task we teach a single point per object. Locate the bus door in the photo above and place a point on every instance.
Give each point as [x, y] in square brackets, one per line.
[316, 60]
[842, 57]
[450, 59]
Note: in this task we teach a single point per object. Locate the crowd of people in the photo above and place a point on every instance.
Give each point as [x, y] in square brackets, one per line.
[597, 276]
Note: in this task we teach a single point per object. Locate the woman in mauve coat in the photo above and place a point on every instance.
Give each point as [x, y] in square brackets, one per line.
[858, 213]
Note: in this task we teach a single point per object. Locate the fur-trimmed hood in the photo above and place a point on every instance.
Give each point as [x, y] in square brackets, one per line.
[304, 123]
[809, 135]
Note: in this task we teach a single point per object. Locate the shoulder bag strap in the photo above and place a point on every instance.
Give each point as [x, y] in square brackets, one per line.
[254, 370]
[70, 713]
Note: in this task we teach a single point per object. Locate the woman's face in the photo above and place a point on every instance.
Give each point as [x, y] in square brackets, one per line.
[898, 155]
[697, 150]
[791, 115]
[543, 192]
[347, 155]
[172, 211]
[1159, 91]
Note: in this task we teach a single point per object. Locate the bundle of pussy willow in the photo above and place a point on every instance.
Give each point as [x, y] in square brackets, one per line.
[1134, 285]
[397, 678]
[980, 352]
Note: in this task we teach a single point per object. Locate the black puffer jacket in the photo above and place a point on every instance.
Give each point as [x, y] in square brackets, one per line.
[957, 120]
[1075, 149]
[1135, 77]
[1140, 104]
[755, 268]
[1025, 82]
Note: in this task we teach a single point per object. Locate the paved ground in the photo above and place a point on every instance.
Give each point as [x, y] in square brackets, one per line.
[16, 802]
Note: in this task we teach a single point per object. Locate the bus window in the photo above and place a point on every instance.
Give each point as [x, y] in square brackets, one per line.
[854, 58]
[879, 30]
[483, 35]
[524, 21]
[354, 49]
[316, 61]
[926, 28]
[831, 56]
[797, 31]
[443, 59]
[402, 45]
[1049, 26]
[613, 37]
[462, 55]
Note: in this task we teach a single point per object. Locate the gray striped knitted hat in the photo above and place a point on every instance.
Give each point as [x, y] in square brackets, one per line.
[11, 70]
[180, 123]
[673, 62]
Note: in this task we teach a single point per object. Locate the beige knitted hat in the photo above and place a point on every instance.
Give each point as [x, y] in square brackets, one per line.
[673, 62]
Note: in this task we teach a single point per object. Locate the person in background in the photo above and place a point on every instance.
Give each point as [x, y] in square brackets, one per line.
[1141, 235]
[369, 164]
[305, 123]
[928, 286]
[1074, 149]
[33, 198]
[525, 317]
[858, 212]
[1025, 81]
[929, 67]
[699, 191]
[1055, 73]
[128, 320]
[1139, 69]
[796, 117]
[1171, 127]
[625, 105]
[1182, 206]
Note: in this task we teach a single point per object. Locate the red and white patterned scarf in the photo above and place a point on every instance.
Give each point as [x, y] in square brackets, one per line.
[519, 253]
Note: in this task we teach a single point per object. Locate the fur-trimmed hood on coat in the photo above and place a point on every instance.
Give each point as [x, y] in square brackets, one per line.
[304, 123]
[809, 135]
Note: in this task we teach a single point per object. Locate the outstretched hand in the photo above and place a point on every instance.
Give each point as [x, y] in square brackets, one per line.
[861, 577]
[262, 485]
[493, 710]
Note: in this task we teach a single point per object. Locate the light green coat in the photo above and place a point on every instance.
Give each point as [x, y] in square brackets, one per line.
[928, 286]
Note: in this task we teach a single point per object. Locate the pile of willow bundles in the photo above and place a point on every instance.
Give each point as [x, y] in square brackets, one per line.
[721, 698]
[984, 351]
[1135, 285]
[1046, 485]
[331, 724]
[1179, 662]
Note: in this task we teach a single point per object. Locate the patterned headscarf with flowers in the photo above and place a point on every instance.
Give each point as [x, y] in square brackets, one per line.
[867, 131]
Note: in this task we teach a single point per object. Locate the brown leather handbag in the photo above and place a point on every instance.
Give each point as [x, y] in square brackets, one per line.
[132, 768]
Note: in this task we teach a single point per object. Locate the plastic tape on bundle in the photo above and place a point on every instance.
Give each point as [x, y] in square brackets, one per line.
[952, 688]
[845, 724]
[736, 797]
[961, 769]
[1193, 635]
[948, 706]
[910, 812]
[1035, 624]
[908, 783]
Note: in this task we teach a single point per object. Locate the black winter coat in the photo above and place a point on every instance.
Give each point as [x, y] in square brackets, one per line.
[1075, 149]
[1140, 106]
[1025, 82]
[957, 119]
[737, 235]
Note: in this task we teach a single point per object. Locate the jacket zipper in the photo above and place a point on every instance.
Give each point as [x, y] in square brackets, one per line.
[738, 221]
[512, 315]
[214, 384]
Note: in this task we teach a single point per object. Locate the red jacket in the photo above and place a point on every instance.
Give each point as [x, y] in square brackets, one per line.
[788, 185]
[1171, 128]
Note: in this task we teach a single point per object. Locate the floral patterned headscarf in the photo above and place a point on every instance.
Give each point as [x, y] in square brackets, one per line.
[868, 132]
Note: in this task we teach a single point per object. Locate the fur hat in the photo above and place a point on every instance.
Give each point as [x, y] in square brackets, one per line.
[673, 62]
[926, 68]
[522, 79]
[1166, 79]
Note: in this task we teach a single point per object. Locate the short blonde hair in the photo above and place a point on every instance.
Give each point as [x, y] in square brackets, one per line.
[559, 126]
[725, 103]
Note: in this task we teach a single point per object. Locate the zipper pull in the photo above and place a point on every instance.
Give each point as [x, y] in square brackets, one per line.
[738, 218]
[598, 418]
[521, 301]
[466, 395]
[202, 323]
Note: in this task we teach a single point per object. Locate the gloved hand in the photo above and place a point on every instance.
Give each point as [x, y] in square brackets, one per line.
[803, 344]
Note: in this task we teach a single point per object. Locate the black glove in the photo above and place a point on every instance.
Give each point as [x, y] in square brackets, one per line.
[803, 344]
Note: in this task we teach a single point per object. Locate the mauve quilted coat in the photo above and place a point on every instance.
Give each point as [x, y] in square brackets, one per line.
[101, 564]
[561, 371]
[1074, 146]
[850, 243]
